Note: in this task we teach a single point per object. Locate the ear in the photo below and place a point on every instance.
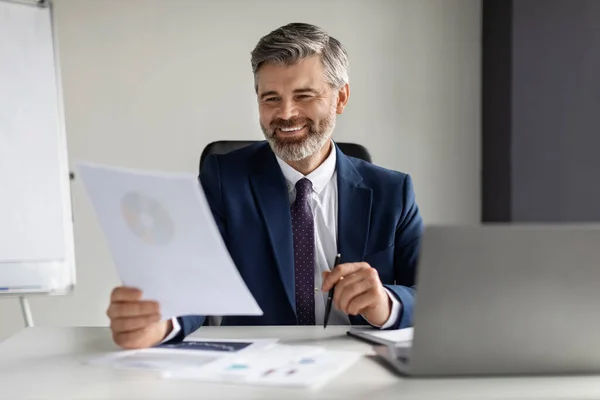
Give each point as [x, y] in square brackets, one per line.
[342, 100]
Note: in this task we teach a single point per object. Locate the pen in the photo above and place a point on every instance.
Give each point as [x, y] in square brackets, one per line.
[338, 259]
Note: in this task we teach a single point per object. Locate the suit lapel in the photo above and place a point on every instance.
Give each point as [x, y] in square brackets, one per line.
[271, 194]
[354, 215]
[354, 211]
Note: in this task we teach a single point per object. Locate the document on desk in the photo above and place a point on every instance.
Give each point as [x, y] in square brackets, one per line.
[277, 365]
[165, 242]
[189, 354]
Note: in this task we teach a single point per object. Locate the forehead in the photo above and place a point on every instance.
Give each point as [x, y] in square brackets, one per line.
[280, 78]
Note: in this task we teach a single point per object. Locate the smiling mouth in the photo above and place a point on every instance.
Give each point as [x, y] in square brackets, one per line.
[288, 131]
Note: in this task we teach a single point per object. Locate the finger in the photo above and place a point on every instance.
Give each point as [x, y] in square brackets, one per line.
[133, 309]
[351, 292]
[340, 271]
[129, 324]
[361, 303]
[134, 339]
[345, 282]
[350, 279]
[123, 293]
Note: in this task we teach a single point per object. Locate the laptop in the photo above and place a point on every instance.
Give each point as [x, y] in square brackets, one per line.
[504, 300]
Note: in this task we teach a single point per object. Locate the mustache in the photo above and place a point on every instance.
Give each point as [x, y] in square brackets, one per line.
[290, 123]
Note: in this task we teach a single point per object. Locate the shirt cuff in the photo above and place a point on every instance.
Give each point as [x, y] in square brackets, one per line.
[176, 329]
[394, 313]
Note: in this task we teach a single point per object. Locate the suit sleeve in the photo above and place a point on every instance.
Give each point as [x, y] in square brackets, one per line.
[210, 180]
[406, 254]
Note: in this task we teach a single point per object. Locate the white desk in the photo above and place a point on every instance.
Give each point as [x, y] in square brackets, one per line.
[49, 363]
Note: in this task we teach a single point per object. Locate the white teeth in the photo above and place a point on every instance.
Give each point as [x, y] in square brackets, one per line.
[291, 129]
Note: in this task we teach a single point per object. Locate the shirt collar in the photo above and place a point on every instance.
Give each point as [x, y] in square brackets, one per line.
[320, 177]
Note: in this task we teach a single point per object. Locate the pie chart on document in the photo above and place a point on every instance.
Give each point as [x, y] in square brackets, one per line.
[147, 219]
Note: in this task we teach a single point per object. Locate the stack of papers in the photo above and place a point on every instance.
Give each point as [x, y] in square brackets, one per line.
[254, 362]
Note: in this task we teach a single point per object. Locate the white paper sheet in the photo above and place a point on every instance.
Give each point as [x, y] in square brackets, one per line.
[397, 335]
[31, 202]
[392, 337]
[278, 365]
[165, 242]
[190, 354]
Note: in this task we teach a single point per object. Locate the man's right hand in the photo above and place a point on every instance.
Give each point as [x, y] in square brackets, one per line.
[135, 324]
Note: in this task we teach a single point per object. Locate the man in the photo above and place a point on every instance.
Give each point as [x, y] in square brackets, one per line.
[286, 207]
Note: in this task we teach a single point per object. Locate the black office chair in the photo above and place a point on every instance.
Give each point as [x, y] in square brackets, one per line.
[225, 146]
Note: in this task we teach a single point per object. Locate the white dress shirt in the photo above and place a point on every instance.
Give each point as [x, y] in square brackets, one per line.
[324, 206]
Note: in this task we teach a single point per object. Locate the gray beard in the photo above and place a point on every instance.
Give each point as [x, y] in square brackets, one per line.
[299, 150]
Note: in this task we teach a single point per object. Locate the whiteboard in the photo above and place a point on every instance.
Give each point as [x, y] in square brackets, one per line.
[36, 228]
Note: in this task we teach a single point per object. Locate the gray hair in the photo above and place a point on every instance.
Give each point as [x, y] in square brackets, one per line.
[294, 42]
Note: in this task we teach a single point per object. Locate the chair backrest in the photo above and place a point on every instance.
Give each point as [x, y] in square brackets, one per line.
[225, 146]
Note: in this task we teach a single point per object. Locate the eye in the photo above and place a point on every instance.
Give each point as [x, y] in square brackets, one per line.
[272, 99]
[304, 97]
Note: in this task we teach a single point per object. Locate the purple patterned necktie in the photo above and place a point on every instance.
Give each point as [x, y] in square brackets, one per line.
[303, 230]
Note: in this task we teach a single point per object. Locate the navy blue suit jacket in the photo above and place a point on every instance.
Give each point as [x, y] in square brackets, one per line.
[378, 222]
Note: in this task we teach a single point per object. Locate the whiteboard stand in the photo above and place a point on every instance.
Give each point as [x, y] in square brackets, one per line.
[26, 311]
[31, 78]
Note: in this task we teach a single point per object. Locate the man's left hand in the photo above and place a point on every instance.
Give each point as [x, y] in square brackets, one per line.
[358, 290]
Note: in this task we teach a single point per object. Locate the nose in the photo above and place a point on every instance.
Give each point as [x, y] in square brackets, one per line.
[287, 109]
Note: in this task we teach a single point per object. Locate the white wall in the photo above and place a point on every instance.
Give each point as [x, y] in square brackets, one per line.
[148, 84]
